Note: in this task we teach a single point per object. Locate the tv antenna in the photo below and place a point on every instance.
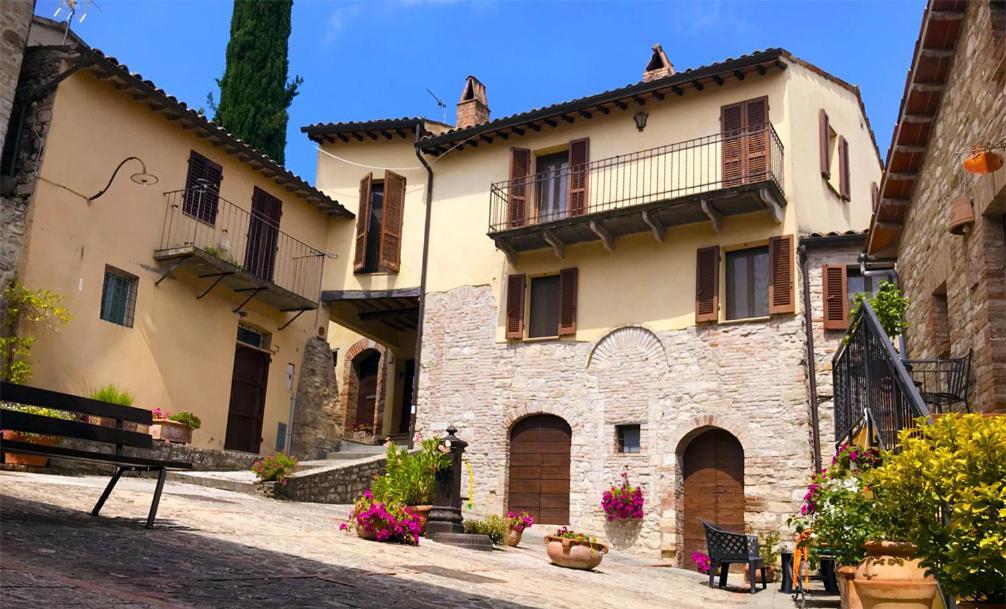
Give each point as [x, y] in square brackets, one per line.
[71, 6]
[440, 104]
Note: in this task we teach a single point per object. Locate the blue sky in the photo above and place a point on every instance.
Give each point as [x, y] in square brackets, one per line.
[365, 60]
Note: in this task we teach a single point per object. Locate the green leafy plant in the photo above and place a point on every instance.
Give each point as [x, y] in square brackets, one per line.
[25, 436]
[410, 477]
[890, 306]
[955, 467]
[768, 548]
[495, 526]
[24, 308]
[189, 419]
[113, 395]
[274, 468]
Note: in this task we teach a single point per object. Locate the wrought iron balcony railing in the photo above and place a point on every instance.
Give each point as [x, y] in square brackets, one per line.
[872, 386]
[695, 168]
[245, 249]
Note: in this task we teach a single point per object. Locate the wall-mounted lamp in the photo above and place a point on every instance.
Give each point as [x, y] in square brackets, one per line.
[640, 119]
[143, 177]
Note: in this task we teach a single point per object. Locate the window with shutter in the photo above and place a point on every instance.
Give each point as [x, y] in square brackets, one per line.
[362, 222]
[579, 193]
[391, 222]
[568, 279]
[781, 298]
[824, 134]
[843, 169]
[731, 123]
[545, 303]
[515, 307]
[745, 142]
[747, 283]
[517, 193]
[874, 195]
[202, 188]
[836, 302]
[707, 284]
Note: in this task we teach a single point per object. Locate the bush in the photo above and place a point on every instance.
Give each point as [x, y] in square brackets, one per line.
[187, 418]
[384, 522]
[496, 527]
[113, 395]
[274, 468]
[410, 477]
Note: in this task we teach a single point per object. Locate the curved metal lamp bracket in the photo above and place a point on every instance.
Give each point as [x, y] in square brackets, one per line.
[140, 178]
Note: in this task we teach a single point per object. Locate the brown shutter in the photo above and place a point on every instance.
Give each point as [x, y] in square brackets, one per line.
[707, 284]
[517, 194]
[843, 168]
[568, 279]
[836, 300]
[579, 191]
[874, 195]
[756, 159]
[780, 288]
[362, 220]
[515, 306]
[731, 123]
[391, 222]
[202, 203]
[824, 133]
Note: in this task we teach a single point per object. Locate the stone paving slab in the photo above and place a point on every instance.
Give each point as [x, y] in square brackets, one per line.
[215, 548]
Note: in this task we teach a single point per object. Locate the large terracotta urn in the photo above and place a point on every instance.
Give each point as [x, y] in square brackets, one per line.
[844, 576]
[574, 554]
[891, 578]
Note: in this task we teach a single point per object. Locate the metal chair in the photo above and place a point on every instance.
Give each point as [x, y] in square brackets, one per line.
[942, 382]
[726, 548]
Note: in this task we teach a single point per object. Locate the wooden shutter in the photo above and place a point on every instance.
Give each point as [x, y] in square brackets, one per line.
[517, 194]
[836, 300]
[515, 306]
[756, 142]
[568, 279]
[780, 288]
[843, 168]
[824, 134]
[579, 193]
[199, 202]
[362, 222]
[731, 124]
[707, 284]
[874, 195]
[391, 222]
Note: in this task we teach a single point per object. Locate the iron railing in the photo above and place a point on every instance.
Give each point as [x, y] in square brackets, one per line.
[199, 218]
[871, 385]
[713, 162]
[943, 383]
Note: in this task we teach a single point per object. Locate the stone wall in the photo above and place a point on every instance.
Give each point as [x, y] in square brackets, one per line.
[971, 269]
[340, 483]
[202, 459]
[746, 378]
[317, 424]
[15, 19]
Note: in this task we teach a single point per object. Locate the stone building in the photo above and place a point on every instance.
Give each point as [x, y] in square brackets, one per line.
[955, 99]
[636, 302]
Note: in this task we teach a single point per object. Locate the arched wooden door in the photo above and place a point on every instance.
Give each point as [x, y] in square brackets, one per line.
[713, 467]
[539, 468]
[367, 366]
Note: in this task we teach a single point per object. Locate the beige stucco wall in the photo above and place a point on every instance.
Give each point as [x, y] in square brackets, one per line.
[179, 354]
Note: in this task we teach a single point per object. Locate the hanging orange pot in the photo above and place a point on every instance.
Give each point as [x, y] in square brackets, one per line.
[982, 161]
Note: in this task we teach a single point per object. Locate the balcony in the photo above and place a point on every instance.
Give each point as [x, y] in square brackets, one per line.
[699, 180]
[216, 243]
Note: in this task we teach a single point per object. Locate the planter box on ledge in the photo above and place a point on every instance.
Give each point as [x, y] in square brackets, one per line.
[171, 431]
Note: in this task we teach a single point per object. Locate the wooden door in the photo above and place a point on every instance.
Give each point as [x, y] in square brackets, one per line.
[539, 468]
[366, 396]
[714, 488]
[248, 385]
[407, 386]
[263, 234]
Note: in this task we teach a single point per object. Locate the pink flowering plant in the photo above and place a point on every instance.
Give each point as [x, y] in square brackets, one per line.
[702, 561]
[390, 523]
[519, 522]
[274, 468]
[624, 501]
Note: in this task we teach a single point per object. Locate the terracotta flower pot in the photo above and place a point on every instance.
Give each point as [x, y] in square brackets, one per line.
[896, 594]
[422, 514]
[890, 560]
[891, 578]
[512, 538]
[365, 534]
[846, 591]
[982, 161]
[574, 554]
[171, 431]
[28, 460]
[769, 574]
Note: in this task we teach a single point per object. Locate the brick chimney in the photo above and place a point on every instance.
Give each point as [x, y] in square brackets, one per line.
[659, 66]
[472, 109]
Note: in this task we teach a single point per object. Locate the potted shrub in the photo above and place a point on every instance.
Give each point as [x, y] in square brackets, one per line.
[375, 521]
[768, 550]
[567, 548]
[495, 527]
[410, 477]
[177, 427]
[34, 438]
[955, 467]
[623, 501]
[516, 523]
[273, 470]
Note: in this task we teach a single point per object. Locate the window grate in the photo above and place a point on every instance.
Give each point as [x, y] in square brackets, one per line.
[118, 297]
[628, 438]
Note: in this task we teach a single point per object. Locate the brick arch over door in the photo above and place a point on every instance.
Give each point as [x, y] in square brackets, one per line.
[366, 364]
[712, 473]
[539, 477]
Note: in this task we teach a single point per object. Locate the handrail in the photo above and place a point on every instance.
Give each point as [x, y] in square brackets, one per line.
[872, 387]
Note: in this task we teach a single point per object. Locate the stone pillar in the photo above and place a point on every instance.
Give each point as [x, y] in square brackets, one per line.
[317, 420]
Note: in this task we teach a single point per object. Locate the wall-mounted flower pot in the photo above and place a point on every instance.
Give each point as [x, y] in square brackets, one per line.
[574, 554]
[982, 161]
[961, 217]
[171, 431]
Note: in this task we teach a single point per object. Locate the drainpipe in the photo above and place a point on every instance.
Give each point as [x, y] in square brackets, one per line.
[889, 270]
[815, 424]
[422, 288]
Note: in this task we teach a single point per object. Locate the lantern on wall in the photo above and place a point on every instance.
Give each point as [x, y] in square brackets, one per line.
[983, 160]
[961, 217]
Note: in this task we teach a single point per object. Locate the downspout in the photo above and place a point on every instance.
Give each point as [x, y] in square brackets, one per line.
[815, 424]
[422, 288]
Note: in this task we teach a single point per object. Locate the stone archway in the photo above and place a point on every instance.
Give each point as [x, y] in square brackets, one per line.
[363, 399]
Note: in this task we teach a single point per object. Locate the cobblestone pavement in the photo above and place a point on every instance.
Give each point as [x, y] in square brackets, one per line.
[215, 548]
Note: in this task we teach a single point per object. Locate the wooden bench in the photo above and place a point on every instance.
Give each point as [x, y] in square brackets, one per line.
[80, 429]
[726, 548]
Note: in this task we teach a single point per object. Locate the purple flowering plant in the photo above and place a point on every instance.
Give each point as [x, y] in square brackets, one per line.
[702, 561]
[624, 501]
[394, 523]
[519, 522]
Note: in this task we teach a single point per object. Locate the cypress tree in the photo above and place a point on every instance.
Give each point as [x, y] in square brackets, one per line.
[254, 92]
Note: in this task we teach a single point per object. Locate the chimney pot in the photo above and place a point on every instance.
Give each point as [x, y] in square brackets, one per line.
[473, 108]
[659, 65]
